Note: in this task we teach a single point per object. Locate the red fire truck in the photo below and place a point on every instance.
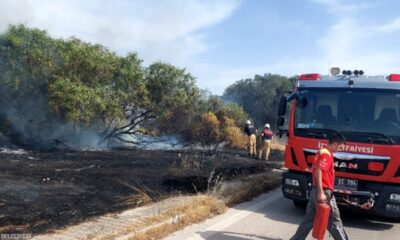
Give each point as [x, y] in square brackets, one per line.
[365, 110]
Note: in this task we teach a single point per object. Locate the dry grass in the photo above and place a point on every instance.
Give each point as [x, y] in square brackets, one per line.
[246, 188]
[205, 206]
[165, 222]
[242, 141]
[138, 198]
[157, 232]
[12, 228]
[278, 144]
[187, 163]
[201, 208]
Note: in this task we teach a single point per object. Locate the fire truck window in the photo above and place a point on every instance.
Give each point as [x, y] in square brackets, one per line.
[385, 109]
[355, 111]
[325, 113]
[330, 101]
[351, 112]
[386, 115]
[303, 116]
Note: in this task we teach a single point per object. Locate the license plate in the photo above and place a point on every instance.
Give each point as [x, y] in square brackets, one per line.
[345, 183]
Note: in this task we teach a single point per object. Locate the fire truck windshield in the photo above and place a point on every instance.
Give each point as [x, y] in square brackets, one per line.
[361, 115]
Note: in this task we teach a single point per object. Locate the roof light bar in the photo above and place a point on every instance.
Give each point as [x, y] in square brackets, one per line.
[358, 72]
[347, 72]
[394, 77]
[310, 76]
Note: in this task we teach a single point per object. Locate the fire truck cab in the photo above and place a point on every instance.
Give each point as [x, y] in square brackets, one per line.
[366, 111]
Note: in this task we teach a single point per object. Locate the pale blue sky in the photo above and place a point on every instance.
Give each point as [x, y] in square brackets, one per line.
[222, 41]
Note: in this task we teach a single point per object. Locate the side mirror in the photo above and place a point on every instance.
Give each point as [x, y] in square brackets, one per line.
[296, 95]
[282, 106]
[301, 100]
[280, 122]
[292, 96]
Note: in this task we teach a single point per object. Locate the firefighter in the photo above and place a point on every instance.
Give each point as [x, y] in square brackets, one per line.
[266, 138]
[323, 175]
[259, 145]
[251, 131]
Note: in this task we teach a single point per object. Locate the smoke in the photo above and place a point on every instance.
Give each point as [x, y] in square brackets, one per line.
[27, 121]
[155, 143]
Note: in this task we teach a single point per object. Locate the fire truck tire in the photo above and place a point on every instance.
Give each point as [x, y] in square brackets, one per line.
[300, 204]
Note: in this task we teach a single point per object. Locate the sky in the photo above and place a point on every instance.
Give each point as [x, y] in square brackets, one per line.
[222, 41]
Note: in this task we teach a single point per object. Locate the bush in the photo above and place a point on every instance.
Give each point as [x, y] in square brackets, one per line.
[233, 135]
[206, 130]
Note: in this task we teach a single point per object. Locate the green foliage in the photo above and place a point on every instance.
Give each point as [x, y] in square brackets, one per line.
[173, 96]
[259, 96]
[216, 123]
[27, 66]
[232, 110]
[27, 58]
[76, 102]
[46, 83]
[59, 81]
[235, 112]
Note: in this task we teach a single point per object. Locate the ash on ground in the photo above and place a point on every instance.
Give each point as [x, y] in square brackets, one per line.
[42, 191]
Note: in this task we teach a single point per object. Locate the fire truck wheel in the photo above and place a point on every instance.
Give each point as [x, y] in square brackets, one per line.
[300, 204]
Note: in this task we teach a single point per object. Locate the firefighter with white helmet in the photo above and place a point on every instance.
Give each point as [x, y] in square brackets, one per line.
[266, 138]
[251, 131]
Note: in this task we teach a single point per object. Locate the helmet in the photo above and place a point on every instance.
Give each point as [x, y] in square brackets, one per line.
[267, 125]
[248, 122]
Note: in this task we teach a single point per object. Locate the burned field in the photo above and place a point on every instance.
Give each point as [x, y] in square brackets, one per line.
[41, 191]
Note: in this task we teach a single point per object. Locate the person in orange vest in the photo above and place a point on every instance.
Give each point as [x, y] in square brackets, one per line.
[266, 138]
[323, 175]
[251, 131]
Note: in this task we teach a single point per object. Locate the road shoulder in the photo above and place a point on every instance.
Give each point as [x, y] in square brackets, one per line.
[226, 219]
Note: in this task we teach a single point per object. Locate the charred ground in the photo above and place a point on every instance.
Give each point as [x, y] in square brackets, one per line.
[42, 191]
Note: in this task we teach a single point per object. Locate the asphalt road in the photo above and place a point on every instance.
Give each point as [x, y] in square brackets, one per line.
[272, 217]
